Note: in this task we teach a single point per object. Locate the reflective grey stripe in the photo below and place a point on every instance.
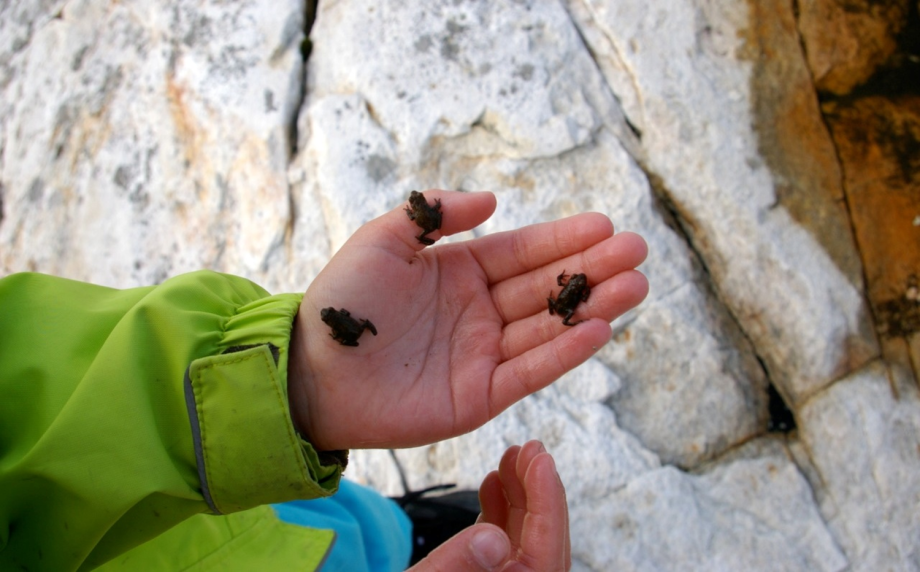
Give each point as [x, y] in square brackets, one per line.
[335, 536]
[196, 439]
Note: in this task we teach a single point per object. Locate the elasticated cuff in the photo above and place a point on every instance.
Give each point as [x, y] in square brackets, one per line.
[247, 450]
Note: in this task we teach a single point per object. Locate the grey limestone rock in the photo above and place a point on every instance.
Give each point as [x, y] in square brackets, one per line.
[690, 79]
[145, 139]
[862, 437]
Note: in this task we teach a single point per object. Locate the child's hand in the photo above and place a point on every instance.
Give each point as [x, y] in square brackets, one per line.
[524, 523]
[463, 329]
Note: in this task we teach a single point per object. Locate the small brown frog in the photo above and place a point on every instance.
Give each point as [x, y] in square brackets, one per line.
[345, 329]
[574, 290]
[426, 216]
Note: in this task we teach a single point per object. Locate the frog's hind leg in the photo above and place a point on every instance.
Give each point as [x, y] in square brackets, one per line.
[367, 325]
[568, 317]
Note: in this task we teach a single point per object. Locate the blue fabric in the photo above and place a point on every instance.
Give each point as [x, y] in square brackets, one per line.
[373, 534]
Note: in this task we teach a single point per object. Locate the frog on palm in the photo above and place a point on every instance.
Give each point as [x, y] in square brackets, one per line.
[575, 290]
[345, 329]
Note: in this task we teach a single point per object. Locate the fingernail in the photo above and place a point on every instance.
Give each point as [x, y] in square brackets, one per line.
[489, 548]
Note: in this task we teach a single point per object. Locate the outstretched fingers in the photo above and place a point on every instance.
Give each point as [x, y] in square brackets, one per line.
[608, 301]
[526, 498]
[506, 254]
[538, 367]
[523, 295]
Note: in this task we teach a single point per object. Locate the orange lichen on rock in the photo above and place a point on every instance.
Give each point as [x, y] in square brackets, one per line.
[878, 141]
[847, 40]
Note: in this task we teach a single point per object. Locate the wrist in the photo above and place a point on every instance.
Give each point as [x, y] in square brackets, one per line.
[298, 402]
[297, 379]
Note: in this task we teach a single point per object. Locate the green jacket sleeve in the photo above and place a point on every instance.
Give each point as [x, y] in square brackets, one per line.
[125, 412]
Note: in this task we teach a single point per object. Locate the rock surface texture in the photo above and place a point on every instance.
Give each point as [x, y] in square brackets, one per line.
[770, 157]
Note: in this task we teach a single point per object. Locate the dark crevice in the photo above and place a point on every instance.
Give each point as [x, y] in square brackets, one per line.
[670, 213]
[845, 202]
[683, 227]
[306, 47]
[665, 207]
[292, 217]
[733, 452]
[781, 418]
[844, 199]
[636, 132]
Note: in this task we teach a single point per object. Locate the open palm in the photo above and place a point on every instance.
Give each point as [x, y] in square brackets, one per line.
[463, 329]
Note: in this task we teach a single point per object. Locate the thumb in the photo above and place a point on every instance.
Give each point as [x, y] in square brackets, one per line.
[395, 232]
[479, 547]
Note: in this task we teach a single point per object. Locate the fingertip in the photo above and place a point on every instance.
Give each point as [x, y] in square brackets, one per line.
[546, 493]
[530, 451]
[635, 244]
[616, 296]
[480, 205]
[643, 287]
[547, 464]
[480, 547]
[489, 546]
[492, 502]
[600, 333]
[510, 456]
[487, 198]
[634, 286]
[460, 210]
[511, 484]
[599, 222]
